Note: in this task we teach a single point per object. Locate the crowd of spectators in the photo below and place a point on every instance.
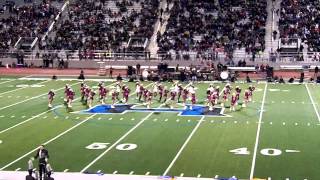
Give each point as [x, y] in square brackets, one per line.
[204, 26]
[104, 25]
[28, 20]
[300, 19]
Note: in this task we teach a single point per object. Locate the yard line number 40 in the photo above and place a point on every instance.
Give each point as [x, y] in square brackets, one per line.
[265, 152]
[120, 147]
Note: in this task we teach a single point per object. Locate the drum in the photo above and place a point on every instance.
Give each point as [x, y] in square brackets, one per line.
[224, 75]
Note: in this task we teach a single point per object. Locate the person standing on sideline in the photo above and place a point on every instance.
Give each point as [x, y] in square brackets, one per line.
[43, 155]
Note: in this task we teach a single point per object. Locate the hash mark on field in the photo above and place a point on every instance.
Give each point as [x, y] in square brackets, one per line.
[9, 96]
[17, 169]
[132, 119]
[67, 117]
[66, 170]
[121, 119]
[155, 120]
[23, 116]
[147, 173]
[1, 116]
[166, 120]
[293, 102]
[110, 119]
[269, 178]
[99, 118]
[12, 116]
[287, 178]
[45, 117]
[181, 175]
[115, 172]
[302, 102]
[199, 175]
[282, 101]
[270, 123]
[235, 122]
[27, 97]
[308, 124]
[216, 177]
[284, 123]
[247, 122]
[56, 117]
[78, 117]
[18, 97]
[296, 124]
[212, 121]
[131, 172]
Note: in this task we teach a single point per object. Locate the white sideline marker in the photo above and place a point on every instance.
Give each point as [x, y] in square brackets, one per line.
[314, 106]
[99, 171]
[13, 116]
[49, 141]
[183, 146]
[284, 123]
[132, 119]
[181, 175]
[66, 170]
[110, 119]
[199, 175]
[269, 178]
[131, 172]
[115, 172]
[121, 119]
[147, 173]
[258, 133]
[216, 176]
[17, 169]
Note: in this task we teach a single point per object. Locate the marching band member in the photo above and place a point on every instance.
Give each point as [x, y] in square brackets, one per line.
[51, 95]
[91, 98]
[70, 97]
[233, 102]
[251, 89]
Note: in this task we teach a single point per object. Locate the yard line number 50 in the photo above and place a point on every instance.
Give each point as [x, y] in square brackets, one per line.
[265, 152]
[120, 147]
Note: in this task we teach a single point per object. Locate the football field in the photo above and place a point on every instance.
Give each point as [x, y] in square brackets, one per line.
[275, 137]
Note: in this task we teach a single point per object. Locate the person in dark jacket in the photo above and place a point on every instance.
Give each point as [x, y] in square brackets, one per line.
[43, 156]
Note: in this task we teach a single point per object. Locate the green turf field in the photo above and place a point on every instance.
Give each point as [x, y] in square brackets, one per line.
[276, 136]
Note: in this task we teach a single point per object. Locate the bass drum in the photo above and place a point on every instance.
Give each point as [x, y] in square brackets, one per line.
[224, 75]
[145, 73]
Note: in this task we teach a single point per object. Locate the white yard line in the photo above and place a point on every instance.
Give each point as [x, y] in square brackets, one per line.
[23, 122]
[49, 141]
[33, 117]
[23, 87]
[7, 81]
[5, 107]
[254, 157]
[312, 101]
[183, 146]
[116, 143]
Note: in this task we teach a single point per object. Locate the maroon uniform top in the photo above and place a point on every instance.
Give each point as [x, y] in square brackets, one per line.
[173, 95]
[149, 96]
[251, 89]
[51, 94]
[185, 94]
[71, 95]
[160, 89]
[166, 92]
[103, 92]
[246, 95]
[193, 98]
[92, 94]
[233, 100]
[87, 92]
[126, 92]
